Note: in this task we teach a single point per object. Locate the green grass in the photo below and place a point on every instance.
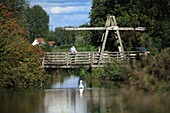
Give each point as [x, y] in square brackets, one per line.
[79, 48]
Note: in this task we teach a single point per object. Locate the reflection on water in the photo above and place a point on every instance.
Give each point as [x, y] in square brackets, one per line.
[98, 100]
[64, 101]
[63, 96]
[22, 101]
[71, 82]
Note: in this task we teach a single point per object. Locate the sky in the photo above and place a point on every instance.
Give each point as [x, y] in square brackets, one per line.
[65, 12]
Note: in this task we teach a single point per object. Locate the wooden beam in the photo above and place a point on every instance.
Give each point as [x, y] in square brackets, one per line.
[108, 28]
[103, 47]
[118, 36]
[111, 24]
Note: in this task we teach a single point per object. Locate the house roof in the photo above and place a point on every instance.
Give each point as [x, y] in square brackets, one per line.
[40, 40]
[51, 43]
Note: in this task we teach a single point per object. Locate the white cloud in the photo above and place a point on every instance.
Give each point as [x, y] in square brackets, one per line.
[65, 12]
[68, 19]
[68, 9]
[75, 17]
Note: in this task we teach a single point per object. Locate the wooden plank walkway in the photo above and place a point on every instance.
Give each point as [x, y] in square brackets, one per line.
[83, 59]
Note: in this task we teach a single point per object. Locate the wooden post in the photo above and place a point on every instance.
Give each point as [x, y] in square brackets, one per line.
[92, 58]
[103, 47]
[43, 60]
[111, 24]
[67, 58]
[118, 35]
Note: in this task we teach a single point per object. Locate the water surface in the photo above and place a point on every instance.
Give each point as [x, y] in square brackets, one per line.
[62, 95]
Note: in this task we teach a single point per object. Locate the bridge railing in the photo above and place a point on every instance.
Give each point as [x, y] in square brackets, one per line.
[65, 59]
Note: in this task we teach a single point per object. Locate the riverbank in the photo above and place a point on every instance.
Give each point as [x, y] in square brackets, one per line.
[150, 74]
[62, 94]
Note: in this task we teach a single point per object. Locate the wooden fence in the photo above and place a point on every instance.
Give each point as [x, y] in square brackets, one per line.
[65, 59]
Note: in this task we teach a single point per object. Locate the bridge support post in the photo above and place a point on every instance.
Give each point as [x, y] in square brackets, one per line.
[111, 22]
[43, 60]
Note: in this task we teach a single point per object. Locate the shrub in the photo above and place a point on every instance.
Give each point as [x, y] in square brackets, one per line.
[19, 61]
[156, 75]
[160, 65]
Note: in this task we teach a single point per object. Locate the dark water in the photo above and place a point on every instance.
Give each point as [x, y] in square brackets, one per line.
[62, 95]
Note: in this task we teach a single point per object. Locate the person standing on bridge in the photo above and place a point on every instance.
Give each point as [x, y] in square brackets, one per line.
[73, 52]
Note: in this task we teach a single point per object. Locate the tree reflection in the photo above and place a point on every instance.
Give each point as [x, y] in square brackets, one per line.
[21, 101]
[93, 100]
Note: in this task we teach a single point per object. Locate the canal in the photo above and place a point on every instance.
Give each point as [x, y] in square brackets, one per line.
[62, 95]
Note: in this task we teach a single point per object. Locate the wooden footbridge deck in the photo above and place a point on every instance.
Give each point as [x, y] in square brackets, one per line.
[84, 59]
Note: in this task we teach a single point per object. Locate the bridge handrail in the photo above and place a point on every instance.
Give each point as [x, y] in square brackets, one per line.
[85, 58]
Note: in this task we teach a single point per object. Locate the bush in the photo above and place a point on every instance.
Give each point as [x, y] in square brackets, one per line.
[160, 65]
[19, 61]
[155, 76]
[112, 71]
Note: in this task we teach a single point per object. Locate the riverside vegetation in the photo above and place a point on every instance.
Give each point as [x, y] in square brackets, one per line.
[151, 74]
[20, 24]
[19, 61]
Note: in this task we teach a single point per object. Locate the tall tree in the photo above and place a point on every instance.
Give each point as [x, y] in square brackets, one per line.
[83, 37]
[64, 37]
[38, 21]
[18, 9]
[132, 13]
[19, 61]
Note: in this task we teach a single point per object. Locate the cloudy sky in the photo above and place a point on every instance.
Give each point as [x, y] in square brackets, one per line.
[65, 12]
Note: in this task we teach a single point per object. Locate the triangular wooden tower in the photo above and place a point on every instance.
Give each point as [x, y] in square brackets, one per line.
[111, 24]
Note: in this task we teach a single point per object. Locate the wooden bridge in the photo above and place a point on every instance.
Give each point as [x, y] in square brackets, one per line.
[93, 59]
[85, 59]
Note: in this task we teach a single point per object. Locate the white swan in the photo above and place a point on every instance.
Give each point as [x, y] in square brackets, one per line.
[81, 86]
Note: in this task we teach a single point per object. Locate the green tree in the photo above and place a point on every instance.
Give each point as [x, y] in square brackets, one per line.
[19, 61]
[38, 21]
[64, 37]
[132, 13]
[166, 34]
[83, 37]
[18, 10]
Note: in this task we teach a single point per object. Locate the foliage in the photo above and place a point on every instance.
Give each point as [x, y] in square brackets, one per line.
[81, 48]
[64, 37]
[38, 21]
[47, 48]
[51, 36]
[166, 34]
[154, 76]
[160, 65]
[18, 11]
[83, 37]
[19, 61]
[111, 71]
[132, 13]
